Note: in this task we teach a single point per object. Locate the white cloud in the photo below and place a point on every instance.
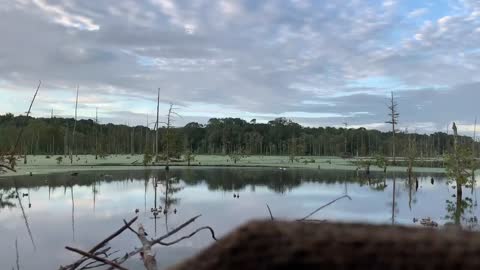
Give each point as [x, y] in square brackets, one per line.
[229, 7]
[65, 18]
[267, 58]
[417, 13]
[169, 8]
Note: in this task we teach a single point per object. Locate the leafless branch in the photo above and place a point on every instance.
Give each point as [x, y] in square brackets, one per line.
[98, 253]
[130, 228]
[145, 250]
[270, 212]
[14, 149]
[112, 236]
[190, 235]
[323, 206]
[174, 231]
[157, 241]
[95, 257]
[101, 244]
[89, 265]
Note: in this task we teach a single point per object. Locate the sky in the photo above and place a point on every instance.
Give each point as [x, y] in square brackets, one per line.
[320, 63]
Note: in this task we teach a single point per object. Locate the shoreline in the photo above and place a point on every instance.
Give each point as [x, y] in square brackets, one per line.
[41, 165]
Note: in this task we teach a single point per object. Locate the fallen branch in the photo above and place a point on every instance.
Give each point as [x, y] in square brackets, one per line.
[92, 264]
[190, 235]
[158, 240]
[84, 259]
[270, 212]
[130, 228]
[94, 257]
[174, 231]
[147, 255]
[145, 251]
[112, 236]
[323, 206]
[101, 244]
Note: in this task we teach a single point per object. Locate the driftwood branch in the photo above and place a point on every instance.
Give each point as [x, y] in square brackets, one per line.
[190, 235]
[95, 257]
[157, 241]
[270, 212]
[101, 244]
[323, 206]
[112, 236]
[174, 231]
[94, 264]
[130, 228]
[145, 251]
[84, 259]
[147, 255]
[305, 219]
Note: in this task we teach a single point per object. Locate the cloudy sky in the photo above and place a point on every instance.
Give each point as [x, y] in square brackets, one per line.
[317, 62]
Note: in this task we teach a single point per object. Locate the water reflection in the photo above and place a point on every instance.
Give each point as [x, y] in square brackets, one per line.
[462, 211]
[6, 198]
[24, 215]
[56, 210]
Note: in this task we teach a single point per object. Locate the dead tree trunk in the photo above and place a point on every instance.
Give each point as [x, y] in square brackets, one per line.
[74, 127]
[392, 107]
[455, 151]
[147, 255]
[156, 125]
[96, 133]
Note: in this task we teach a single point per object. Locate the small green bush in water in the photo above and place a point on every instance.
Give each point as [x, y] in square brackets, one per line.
[459, 166]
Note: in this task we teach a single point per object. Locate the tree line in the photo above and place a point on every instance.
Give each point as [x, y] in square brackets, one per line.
[224, 136]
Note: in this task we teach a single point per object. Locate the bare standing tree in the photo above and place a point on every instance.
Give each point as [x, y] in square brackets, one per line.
[96, 133]
[474, 154]
[156, 125]
[393, 113]
[132, 141]
[345, 135]
[9, 161]
[411, 153]
[474, 136]
[171, 113]
[74, 127]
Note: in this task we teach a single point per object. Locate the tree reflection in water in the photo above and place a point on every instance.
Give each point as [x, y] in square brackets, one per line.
[172, 186]
[6, 198]
[167, 185]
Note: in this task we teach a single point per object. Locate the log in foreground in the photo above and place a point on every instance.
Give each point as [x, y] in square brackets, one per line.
[291, 245]
[147, 255]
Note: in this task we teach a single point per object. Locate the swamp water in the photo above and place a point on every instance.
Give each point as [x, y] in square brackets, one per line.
[79, 211]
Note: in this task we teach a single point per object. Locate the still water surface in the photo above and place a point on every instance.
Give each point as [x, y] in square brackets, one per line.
[79, 211]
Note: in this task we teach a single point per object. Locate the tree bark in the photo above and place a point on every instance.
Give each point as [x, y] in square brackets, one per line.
[147, 255]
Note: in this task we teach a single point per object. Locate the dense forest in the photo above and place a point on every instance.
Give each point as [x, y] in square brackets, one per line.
[52, 136]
